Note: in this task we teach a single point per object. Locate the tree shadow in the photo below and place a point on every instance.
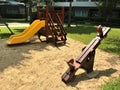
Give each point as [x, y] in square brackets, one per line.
[19, 30]
[115, 45]
[84, 77]
[82, 29]
[11, 56]
[4, 35]
[114, 60]
[18, 20]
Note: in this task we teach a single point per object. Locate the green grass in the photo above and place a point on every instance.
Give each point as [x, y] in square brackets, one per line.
[114, 85]
[5, 33]
[86, 33]
[82, 33]
[112, 43]
[8, 20]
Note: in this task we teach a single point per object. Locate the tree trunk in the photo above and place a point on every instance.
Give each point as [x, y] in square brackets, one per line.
[26, 12]
[30, 11]
[70, 12]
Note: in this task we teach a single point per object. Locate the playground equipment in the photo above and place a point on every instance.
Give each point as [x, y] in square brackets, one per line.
[86, 59]
[27, 33]
[54, 21]
[51, 20]
[6, 25]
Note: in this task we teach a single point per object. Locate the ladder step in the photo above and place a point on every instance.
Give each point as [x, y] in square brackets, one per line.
[60, 41]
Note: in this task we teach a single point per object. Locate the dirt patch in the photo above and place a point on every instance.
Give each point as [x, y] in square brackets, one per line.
[39, 66]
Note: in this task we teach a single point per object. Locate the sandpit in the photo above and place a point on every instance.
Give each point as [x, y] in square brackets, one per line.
[39, 66]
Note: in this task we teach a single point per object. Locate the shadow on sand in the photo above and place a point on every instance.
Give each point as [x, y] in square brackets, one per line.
[84, 77]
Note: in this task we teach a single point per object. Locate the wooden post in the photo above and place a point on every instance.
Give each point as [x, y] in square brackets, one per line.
[46, 22]
[62, 15]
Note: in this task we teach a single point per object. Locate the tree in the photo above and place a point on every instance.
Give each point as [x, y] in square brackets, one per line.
[106, 7]
[26, 7]
[26, 11]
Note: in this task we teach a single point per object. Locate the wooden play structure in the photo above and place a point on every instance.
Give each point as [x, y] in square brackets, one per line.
[86, 59]
[49, 23]
[54, 21]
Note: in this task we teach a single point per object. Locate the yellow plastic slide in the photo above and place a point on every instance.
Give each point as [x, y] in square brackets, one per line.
[27, 33]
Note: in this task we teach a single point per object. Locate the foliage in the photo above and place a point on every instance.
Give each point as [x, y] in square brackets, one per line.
[62, 0]
[115, 85]
[106, 7]
[56, 0]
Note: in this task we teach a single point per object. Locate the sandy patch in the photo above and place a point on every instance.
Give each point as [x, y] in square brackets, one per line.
[39, 66]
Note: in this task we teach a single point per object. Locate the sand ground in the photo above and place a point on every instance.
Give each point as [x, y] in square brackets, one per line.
[39, 66]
